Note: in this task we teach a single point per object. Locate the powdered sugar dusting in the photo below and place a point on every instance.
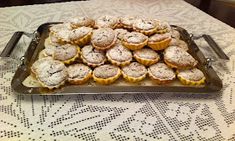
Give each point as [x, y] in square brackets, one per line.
[191, 74]
[78, 71]
[106, 71]
[93, 55]
[146, 53]
[103, 37]
[135, 37]
[119, 53]
[65, 52]
[162, 71]
[159, 37]
[179, 56]
[135, 70]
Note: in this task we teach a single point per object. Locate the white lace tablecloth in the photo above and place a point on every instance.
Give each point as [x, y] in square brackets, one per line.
[139, 117]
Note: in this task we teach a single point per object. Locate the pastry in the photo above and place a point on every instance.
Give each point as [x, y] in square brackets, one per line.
[106, 22]
[119, 55]
[127, 22]
[134, 72]
[79, 74]
[103, 38]
[134, 40]
[77, 22]
[180, 43]
[145, 26]
[162, 27]
[120, 33]
[47, 52]
[175, 33]
[159, 41]
[146, 56]
[59, 33]
[40, 63]
[66, 53]
[81, 36]
[176, 57]
[192, 76]
[50, 73]
[106, 74]
[92, 56]
[51, 41]
[161, 73]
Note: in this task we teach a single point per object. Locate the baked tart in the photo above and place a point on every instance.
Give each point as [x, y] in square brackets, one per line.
[159, 41]
[192, 76]
[120, 33]
[106, 74]
[145, 26]
[175, 34]
[178, 58]
[119, 55]
[79, 74]
[50, 73]
[127, 22]
[162, 27]
[134, 72]
[52, 41]
[103, 38]
[66, 53]
[134, 40]
[161, 73]
[146, 56]
[77, 22]
[106, 21]
[92, 57]
[59, 33]
[80, 36]
[180, 43]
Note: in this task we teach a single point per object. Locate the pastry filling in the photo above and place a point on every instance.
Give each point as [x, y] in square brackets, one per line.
[159, 37]
[93, 55]
[53, 73]
[175, 34]
[128, 21]
[146, 53]
[119, 53]
[106, 71]
[135, 70]
[163, 26]
[65, 52]
[81, 21]
[120, 33]
[162, 72]
[49, 51]
[144, 24]
[178, 55]
[135, 37]
[78, 71]
[191, 74]
[103, 37]
[106, 21]
[79, 33]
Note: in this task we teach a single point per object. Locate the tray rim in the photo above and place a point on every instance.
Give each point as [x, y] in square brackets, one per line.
[213, 86]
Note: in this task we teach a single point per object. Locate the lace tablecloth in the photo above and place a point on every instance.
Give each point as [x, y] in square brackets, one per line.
[139, 117]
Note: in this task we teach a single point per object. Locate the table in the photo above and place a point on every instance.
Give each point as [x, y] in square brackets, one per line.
[101, 117]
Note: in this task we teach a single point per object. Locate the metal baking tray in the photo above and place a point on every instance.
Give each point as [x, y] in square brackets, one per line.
[213, 82]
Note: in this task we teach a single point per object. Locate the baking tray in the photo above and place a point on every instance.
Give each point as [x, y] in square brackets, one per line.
[213, 82]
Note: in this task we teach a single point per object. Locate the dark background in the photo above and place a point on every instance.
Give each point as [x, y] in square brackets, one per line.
[220, 9]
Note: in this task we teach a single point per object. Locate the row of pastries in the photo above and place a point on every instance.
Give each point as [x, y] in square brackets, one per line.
[109, 47]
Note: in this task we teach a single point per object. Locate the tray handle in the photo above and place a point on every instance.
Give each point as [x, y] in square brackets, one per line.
[11, 44]
[211, 42]
[215, 47]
